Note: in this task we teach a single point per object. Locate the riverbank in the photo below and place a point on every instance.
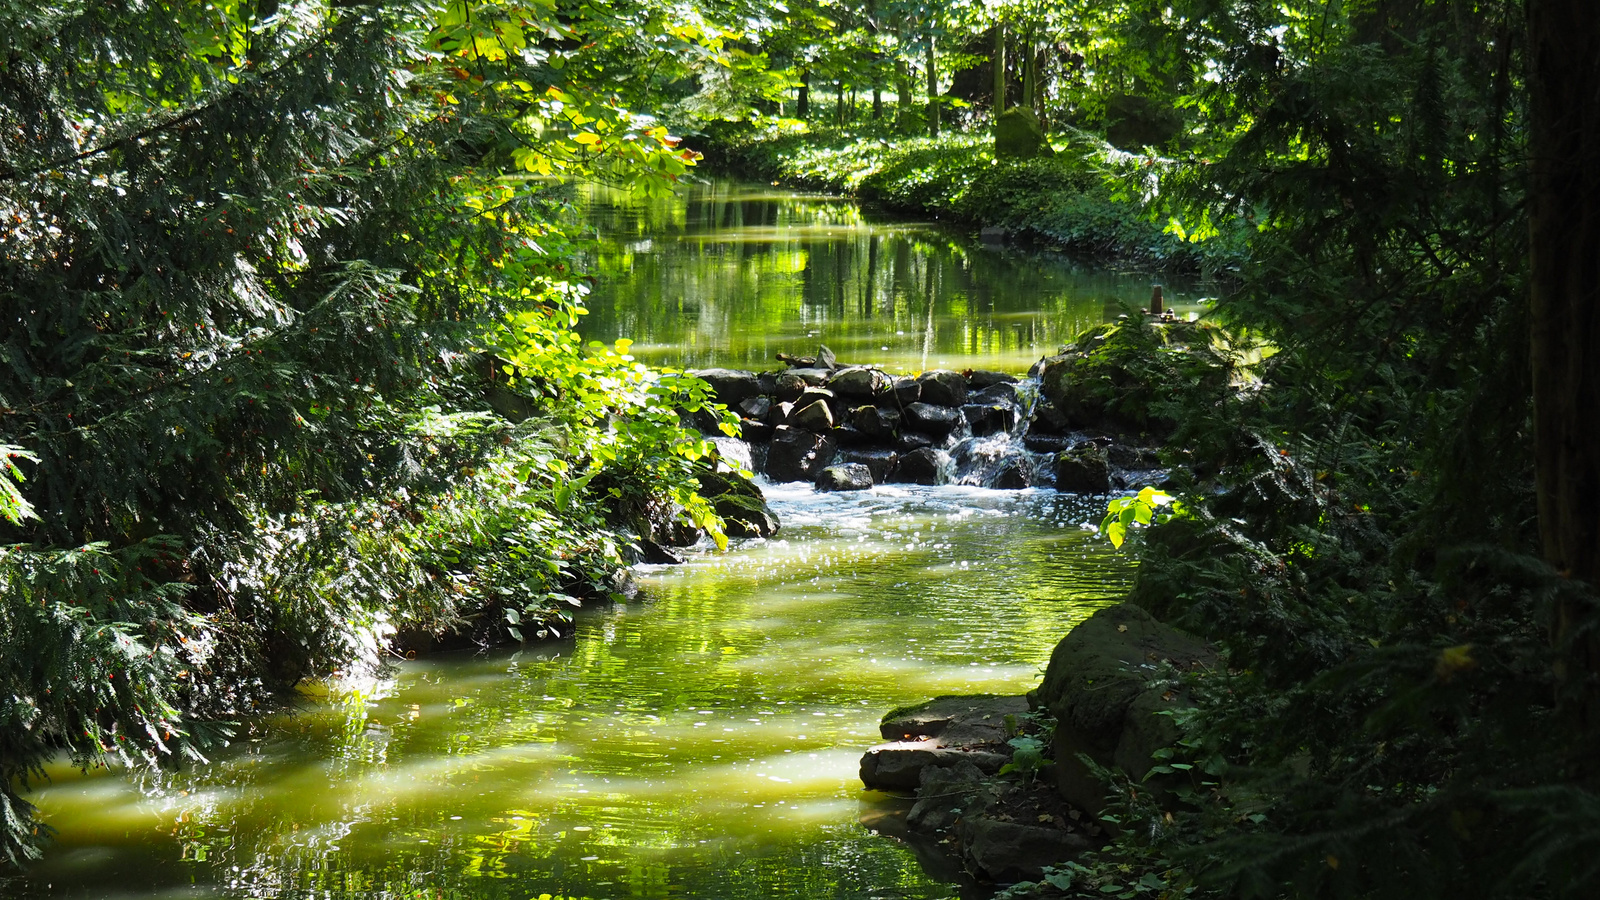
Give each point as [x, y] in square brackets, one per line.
[1079, 198]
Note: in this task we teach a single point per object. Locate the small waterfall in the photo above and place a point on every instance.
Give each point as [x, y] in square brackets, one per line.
[999, 459]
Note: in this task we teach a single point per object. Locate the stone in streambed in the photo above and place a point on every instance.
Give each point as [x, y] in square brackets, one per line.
[982, 379]
[907, 391]
[754, 430]
[1009, 852]
[814, 416]
[860, 382]
[797, 455]
[922, 466]
[730, 386]
[1083, 469]
[943, 387]
[845, 477]
[986, 419]
[878, 461]
[908, 441]
[898, 766]
[756, 407]
[934, 420]
[874, 422]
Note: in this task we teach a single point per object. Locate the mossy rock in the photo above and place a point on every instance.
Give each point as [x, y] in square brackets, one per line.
[1018, 135]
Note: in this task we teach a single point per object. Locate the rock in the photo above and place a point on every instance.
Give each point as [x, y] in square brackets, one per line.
[1007, 852]
[1102, 686]
[768, 382]
[814, 376]
[874, 422]
[860, 382]
[1083, 470]
[1002, 392]
[1132, 457]
[848, 435]
[826, 358]
[922, 466]
[953, 720]
[797, 362]
[845, 477]
[1013, 475]
[943, 388]
[942, 793]
[756, 407]
[992, 234]
[907, 391]
[753, 430]
[730, 386]
[790, 387]
[935, 420]
[653, 552]
[982, 379]
[986, 419]
[797, 455]
[1046, 443]
[780, 413]
[912, 440]
[878, 461]
[1018, 135]
[898, 766]
[1047, 418]
[739, 502]
[814, 416]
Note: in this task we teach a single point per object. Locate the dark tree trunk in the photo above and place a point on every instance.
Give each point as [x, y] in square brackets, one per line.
[1564, 286]
[802, 104]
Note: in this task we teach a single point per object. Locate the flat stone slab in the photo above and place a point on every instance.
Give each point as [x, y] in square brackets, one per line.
[955, 721]
[897, 766]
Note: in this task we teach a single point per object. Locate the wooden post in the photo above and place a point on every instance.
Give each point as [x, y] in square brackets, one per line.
[1157, 304]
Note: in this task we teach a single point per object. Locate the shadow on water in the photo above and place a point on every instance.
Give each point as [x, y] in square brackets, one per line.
[729, 274]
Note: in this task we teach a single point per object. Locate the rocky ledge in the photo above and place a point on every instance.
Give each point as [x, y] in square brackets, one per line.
[999, 784]
[846, 428]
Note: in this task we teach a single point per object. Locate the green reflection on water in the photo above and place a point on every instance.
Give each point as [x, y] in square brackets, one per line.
[729, 275]
[702, 743]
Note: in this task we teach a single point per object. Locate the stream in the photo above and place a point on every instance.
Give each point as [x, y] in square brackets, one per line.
[702, 742]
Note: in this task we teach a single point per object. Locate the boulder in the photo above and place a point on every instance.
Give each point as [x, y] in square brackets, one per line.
[912, 440]
[1012, 475]
[942, 793]
[1048, 419]
[1046, 443]
[848, 435]
[652, 552]
[790, 387]
[768, 382]
[878, 461]
[1001, 392]
[756, 407]
[907, 390]
[780, 413]
[796, 455]
[731, 386]
[814, 416]
[985, 419]
[845, 477]
[1107, 684]
[754, 430]
[860, 382]
[924, 466]
[1018, 135]
[943, 387]
[937, 421]
[981, 379]
[814, 376]
[897, 766]
[1083, 470]
[874, 422]
[826, 358]
[739, 502]
[1007, 852]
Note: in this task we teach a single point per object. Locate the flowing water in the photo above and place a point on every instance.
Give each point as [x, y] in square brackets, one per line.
[700, 743]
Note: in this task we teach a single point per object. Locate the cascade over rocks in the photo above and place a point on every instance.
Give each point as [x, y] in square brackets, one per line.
[1000, 431]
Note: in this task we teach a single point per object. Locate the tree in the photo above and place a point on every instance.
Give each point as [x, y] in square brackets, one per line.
[289, 362]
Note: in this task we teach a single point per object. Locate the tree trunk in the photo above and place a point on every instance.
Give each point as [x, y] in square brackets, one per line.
[877, 100]
[802, 103]
[998, 61]
[902, 88]
[1563, 289]
[933, 90]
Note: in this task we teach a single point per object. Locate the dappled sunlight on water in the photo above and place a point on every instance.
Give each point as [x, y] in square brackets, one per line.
[700, 743]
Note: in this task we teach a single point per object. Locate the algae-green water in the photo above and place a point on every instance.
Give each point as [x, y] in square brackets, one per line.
[700, 743]
[729, 274]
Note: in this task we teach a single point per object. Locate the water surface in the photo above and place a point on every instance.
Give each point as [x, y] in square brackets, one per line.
[730, 274]
[700, 743]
